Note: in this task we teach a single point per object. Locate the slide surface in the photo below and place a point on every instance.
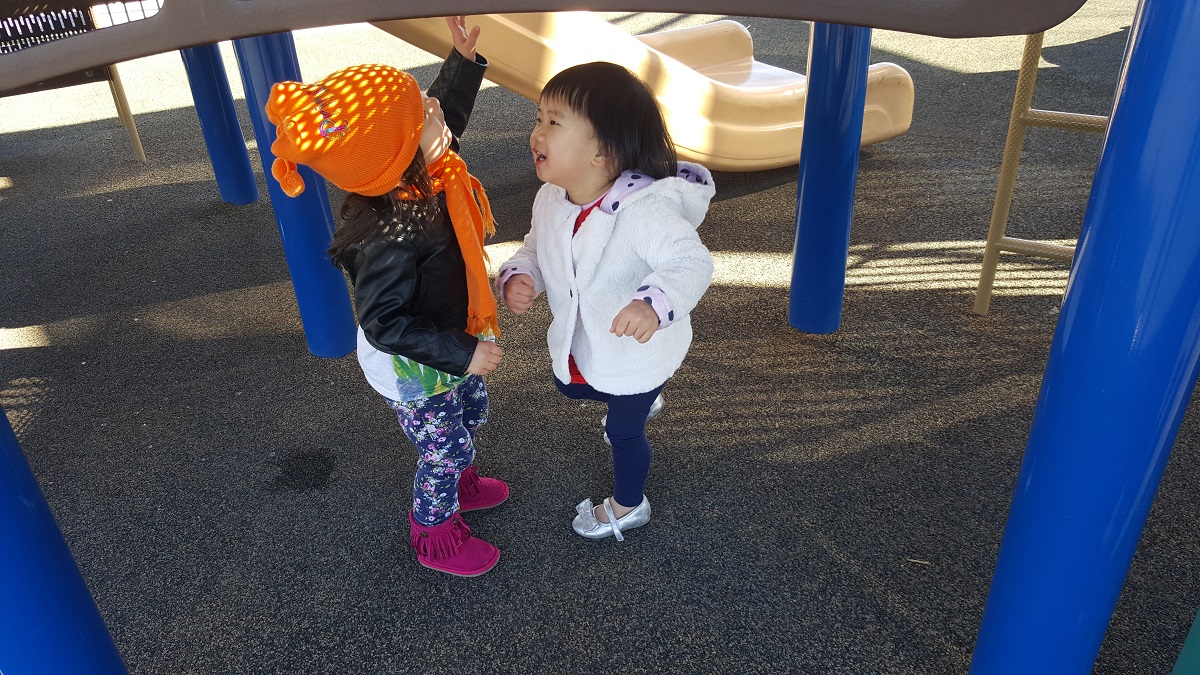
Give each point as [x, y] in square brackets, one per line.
[724, 109]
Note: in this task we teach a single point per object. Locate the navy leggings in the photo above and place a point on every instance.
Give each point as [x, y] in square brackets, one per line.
[626, 427]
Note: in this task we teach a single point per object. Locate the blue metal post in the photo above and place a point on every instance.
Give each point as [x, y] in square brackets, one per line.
[833, 116]
[48, 620]
[1121, 369]
[305, 222]
[219, 124]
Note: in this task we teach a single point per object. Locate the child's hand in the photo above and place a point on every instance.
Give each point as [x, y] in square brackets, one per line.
[638, 320]
[464, 41]
[519, 293]
[485, 359]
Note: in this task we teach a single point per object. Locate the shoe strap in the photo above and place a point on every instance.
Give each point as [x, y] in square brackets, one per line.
[612, 520]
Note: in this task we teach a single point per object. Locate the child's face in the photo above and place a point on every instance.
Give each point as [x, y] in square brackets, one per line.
[435, 136]
[567, 153]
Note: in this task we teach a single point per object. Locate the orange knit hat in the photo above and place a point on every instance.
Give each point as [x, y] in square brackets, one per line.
[359, 128]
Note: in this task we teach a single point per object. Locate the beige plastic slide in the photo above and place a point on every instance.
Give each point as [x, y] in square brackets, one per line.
[724, 109]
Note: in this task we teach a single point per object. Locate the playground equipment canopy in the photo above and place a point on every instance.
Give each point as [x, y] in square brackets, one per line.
[199, 22]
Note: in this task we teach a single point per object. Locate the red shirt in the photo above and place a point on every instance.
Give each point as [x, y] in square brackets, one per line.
[576, 376]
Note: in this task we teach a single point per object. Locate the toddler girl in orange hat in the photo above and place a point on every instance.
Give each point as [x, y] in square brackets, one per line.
[410, 239]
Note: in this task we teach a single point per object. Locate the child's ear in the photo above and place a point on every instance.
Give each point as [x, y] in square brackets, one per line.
[601, 160]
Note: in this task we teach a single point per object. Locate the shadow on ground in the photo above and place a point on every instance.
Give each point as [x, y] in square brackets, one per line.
[823, 504]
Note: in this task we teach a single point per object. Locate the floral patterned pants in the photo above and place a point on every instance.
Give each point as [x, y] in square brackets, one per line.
[443, 429]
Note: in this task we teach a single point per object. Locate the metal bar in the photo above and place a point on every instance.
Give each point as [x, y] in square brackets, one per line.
[49, 622]
[1121, 369]
[833, 116]
[1022, 100]
[124, 112]
[1040, 249]
[305, 222]
[1064, 120]
[219, 124]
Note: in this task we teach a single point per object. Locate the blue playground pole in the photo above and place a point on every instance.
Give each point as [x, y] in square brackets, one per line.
[833, 118]
[219, 124]
[305, 222]
[48, 620]
[1121, 369]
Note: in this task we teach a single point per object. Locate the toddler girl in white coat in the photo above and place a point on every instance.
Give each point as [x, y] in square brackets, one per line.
[613, 244]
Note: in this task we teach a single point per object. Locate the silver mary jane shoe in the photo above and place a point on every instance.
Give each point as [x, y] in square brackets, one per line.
[655, 409]
[586, 525]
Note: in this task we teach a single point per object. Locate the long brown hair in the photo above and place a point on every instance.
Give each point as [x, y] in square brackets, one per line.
[409, 207]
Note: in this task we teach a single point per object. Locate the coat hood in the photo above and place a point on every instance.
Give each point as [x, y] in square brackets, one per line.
[692, 187]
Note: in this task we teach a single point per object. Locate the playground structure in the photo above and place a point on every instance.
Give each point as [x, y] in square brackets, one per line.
[1059, 518]
[1024, 116]
[723, 108]
[24, 31]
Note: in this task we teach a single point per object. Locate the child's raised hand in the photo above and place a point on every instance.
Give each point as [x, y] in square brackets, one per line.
[485, 359]
[519, 293]
[464, 40]
[637, 320]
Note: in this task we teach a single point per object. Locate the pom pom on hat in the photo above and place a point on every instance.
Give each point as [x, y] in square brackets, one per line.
[359, 127]
[289, 178]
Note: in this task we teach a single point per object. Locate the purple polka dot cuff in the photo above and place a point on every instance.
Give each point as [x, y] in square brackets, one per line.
[656, 298]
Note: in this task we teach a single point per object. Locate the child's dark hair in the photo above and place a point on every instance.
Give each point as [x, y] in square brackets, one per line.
[623, 112]
[366, 218]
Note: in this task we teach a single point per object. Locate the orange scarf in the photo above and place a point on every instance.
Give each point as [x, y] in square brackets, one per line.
[472, 221]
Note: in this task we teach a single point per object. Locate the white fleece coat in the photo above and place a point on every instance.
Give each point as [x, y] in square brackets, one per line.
[648, 240]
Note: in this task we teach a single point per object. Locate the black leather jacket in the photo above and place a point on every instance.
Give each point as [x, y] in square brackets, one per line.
[410, 287]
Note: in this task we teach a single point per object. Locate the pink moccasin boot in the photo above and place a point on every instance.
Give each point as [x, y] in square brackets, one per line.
[476, 492]
[449, 547]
